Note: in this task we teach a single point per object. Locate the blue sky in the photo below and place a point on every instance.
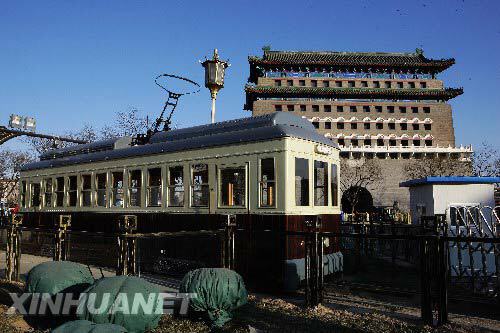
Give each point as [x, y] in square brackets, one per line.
[73, 62]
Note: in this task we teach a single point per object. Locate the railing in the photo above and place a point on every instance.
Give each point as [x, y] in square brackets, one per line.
[406, 149]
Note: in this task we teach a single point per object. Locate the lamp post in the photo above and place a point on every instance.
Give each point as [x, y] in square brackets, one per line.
[214, 77]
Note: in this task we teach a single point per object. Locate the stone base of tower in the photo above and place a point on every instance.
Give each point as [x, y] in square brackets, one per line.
[393, 171]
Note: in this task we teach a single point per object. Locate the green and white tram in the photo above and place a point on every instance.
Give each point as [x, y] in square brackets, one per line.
[270, 171]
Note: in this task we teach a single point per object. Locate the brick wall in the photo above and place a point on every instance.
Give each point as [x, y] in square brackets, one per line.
[439, 113]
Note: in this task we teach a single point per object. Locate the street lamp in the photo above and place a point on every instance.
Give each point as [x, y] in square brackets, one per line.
[214, 77]
[22, 123]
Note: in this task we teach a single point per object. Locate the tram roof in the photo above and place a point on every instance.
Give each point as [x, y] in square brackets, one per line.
[252, 129]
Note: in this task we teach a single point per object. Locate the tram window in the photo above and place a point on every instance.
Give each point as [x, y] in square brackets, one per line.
[320, 183]
[59, 191]
[199, 186]
[267, 183]
[232, 187]
[334, 185]
[23, 194]
[72, 189]
[154, 187]
[301, 182]
[176, 186]
[134, 188]
[117, 189]
[35, 195]
[101, 189]
[86, 190]
[48, 192]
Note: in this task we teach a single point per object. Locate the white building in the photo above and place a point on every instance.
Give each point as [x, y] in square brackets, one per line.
[433, 195]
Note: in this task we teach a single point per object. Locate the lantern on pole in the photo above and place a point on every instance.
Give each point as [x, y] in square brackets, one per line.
[214, 77]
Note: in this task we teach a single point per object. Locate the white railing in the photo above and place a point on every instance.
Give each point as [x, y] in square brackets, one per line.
[406, 149]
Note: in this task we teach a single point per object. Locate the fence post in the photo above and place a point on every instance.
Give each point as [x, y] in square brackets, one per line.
[13, 253]
[127, 225]
[313, 262]
[228, 250]
[426, 299]
[443, 281]
[61, 240]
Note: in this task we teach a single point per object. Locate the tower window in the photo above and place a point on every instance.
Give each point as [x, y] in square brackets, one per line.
[315, 108]
[427, 127]
[366, 125]
[351, 84]
[378, 108]
[354, 109]
[314, 83]
[423, 85]
[390, 109]
[416, 143]
[340, 108]
[315, 124]
[277, 83]
[427, 109]
[404, 143]
[400, 85]
[328, 108]
[376, 84]
[354, 142]
[402, 109]
[404, 126]
[354, 125]
[302, 108]
[428, 143]
[289, 83]
[364, 84]
[392, 126]
[290, 108]
[411, 85]
[366, 108]
[380, 126]
[340, 125]
[341, 142]
[415, 127]
[326, 84]
[338, 84]
[278, 108]
[387, 84]
[380, 142]
[414, 109]
[367, 142]
[392, 143]
[328, 125]
[302, 83]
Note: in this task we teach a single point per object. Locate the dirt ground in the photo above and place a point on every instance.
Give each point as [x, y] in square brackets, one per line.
[343, 310]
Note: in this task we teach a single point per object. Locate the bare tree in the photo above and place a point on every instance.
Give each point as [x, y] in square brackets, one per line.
[357, 175]
[10, 164]
[486, 161]
[420, 168]
[127, 123]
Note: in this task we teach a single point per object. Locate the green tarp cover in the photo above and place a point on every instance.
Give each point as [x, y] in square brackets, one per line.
[121, 295]
[218, 292]
[53, 277]
[85, 326]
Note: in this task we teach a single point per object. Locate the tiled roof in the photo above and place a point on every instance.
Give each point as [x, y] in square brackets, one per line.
[254, 92]
[331, 58]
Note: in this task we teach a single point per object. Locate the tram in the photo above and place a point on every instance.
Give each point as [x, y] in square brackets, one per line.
[270, 171]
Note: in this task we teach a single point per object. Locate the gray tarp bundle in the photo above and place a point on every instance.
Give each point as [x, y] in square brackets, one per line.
[85, 326]
[218, 292]
[53, 277]
[132, 290]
